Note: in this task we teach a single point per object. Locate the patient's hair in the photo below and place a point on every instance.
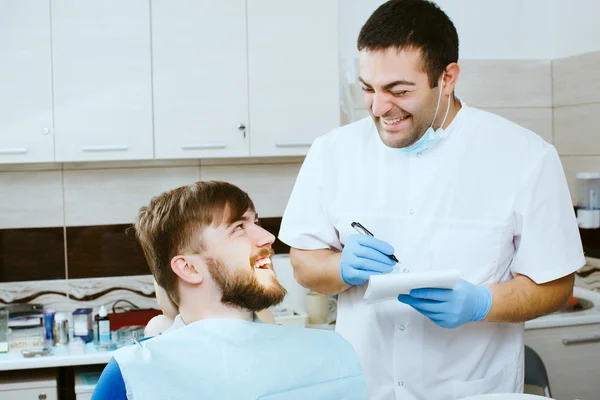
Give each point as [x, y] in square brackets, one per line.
[173, 222]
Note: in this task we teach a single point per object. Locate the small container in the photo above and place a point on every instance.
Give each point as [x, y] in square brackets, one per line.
[103, 328]
[588, 200]
[61, 329]
[3, 330]
[83, 325]
[49, 325]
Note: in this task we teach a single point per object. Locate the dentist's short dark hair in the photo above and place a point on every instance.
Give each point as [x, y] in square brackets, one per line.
[413, 24]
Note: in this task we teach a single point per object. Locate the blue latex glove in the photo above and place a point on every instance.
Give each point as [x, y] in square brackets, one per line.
[451, 308]
[364, 256]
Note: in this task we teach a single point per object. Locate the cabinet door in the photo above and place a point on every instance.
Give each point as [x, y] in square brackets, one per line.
[25, 82]
[102, 80]
[200, 78]
[293, 74]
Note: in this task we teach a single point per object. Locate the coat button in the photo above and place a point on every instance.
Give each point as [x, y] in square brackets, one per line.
[400, 383]
[411, 211]
[401, 327]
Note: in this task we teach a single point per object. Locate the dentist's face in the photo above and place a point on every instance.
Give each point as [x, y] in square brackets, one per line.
[238, 256]
[398, 95]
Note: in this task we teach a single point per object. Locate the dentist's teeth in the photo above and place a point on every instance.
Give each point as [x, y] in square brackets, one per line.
[394, 121]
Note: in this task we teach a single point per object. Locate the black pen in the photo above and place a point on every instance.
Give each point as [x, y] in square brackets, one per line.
[364, 231]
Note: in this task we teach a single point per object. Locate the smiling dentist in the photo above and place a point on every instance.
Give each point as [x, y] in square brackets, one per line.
[441, 185]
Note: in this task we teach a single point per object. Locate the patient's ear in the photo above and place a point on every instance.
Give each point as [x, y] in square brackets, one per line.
[185, 269]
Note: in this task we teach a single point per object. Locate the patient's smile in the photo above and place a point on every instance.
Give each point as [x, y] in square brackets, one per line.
[263, 263]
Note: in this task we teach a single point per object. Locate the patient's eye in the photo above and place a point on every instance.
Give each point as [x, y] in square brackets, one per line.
[238, 227]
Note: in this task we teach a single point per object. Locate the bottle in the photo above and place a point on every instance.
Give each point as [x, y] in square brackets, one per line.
[103, 327]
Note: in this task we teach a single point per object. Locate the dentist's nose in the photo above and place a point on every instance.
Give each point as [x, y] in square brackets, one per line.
[381, 105]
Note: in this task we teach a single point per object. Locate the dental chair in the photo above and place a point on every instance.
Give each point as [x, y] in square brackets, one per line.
[535, 372]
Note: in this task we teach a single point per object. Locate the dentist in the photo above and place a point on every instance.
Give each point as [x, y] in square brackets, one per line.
[441, 185]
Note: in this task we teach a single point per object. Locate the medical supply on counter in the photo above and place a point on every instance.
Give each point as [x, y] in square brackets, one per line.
[3, 330]
[103, 327]
[61, 329]
[49, 325]
[82, 324]
[588, 200]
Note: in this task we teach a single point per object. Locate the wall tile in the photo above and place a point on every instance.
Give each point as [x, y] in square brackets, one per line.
[32, 254]
[269, 186]
[93, 293]
[574, 164]
[576, 130]
[576, 79]
[505, 83]
[47, 293]
[538, 120]
[31, 199]
[114, 196]
[106, 250]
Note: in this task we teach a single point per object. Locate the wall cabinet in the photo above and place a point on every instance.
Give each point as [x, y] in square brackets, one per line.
[105, 80]
[256, 77]
[293, 74]
[200, 78]
[102, 80]
[25, 82]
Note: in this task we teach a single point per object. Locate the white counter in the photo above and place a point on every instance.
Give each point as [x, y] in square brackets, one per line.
[59, 357]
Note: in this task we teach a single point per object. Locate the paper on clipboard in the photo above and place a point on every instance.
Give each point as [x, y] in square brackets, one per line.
[389, 286]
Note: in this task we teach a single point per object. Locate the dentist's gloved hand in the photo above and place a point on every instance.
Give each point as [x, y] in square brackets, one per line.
[364, 256]
[451, 308]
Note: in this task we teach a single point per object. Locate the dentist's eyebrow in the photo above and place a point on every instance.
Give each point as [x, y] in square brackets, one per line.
[390, 85]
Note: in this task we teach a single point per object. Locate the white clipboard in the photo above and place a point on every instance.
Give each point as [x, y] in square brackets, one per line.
[389, 286]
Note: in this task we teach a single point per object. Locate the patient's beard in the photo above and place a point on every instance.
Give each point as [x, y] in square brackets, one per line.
[243, 290]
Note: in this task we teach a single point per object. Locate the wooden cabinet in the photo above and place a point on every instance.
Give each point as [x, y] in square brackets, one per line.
[102, 80]
[25, 82]
[200, 78]
[293, 74]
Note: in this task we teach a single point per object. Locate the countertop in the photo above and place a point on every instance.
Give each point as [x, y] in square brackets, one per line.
[59, 357]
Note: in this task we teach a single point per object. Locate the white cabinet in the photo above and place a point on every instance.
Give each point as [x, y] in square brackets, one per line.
[25, 82]
[293, 74]
[28, 385]
[200, 78]
[102, 80]
[571, 355]
[239, 78]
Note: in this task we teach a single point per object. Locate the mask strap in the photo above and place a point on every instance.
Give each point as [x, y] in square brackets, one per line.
[437, 107]
[446, 116]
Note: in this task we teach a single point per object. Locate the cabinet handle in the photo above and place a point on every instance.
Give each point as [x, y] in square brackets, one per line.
[93, 149]
[207, 146]
[7, 152]
[293, 144]
[42, 396]
[595, 337]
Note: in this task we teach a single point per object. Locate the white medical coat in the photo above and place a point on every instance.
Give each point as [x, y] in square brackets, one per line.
[490, 199]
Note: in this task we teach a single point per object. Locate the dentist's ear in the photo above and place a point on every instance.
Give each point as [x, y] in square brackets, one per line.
[184, 268]
[451, 74]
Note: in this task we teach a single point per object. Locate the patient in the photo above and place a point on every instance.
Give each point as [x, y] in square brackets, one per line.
[206, 249]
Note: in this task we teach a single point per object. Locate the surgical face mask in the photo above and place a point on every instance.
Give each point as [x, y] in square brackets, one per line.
[431, 136]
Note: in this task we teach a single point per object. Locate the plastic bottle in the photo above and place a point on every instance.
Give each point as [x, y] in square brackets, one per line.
[103, 322]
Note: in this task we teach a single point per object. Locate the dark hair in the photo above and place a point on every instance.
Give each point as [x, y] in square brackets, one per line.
[173, 221]
[413, 24]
